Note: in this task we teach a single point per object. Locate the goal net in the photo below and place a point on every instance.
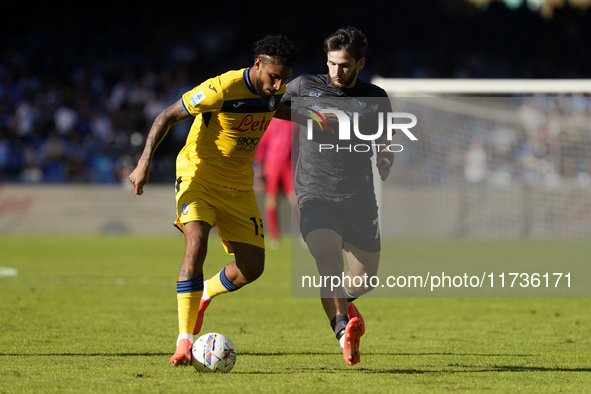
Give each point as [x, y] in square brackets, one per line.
[494, 158]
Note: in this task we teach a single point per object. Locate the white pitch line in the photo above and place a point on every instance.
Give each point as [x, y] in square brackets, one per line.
[7, 271]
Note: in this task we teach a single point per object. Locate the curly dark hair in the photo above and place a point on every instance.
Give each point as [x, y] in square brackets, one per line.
[278, 47]
[350, 39]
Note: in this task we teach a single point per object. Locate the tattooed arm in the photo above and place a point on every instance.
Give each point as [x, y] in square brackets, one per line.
[171, 115]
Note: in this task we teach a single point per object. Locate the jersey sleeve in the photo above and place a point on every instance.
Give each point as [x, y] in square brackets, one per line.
[207, 97]
[385, 105]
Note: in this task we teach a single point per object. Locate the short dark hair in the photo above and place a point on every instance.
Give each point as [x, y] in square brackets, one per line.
[350, 39]
[278, 47]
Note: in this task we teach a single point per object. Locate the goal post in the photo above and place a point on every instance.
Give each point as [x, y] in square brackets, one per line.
[408, 86]
[494, 159]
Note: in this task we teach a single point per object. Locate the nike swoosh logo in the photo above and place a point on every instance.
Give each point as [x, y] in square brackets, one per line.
[212, 88]
[238, 104]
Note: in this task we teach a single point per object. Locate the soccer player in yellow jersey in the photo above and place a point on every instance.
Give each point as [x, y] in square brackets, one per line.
[214, 185]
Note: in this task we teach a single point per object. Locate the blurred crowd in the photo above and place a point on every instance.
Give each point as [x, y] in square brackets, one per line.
[550, 145]
[498, 141]
[79, 89]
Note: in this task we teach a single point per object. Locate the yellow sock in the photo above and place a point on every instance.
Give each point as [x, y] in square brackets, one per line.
[188, 299]
[219, 284]
[188, 306]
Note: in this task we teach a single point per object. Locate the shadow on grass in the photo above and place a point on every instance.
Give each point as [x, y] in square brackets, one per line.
[413, 371]
[454, 368]
[388, 354]
[519, 368]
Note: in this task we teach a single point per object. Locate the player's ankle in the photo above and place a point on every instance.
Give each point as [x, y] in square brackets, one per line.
[205, 295]
[187, 336]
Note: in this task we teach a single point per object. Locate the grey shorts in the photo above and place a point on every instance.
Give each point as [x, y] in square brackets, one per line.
[354, 218]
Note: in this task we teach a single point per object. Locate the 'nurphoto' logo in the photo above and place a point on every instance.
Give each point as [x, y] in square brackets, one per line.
[345, 121]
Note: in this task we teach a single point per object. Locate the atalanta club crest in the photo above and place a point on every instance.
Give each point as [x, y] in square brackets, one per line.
[271, 103]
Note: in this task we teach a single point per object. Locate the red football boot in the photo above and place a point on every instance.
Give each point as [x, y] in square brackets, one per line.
[354, 312]
[353, 333]
[182, 356]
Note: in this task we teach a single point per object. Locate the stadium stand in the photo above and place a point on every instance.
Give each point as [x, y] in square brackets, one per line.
[79, 89]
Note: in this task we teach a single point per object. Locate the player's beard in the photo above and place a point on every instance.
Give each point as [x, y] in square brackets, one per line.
[344, 83]
[258, 86]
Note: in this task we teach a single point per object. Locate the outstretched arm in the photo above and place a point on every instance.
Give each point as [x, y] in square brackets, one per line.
[285, 113]
[171, 115]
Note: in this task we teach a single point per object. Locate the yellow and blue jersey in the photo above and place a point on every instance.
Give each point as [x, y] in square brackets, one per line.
[230, 120]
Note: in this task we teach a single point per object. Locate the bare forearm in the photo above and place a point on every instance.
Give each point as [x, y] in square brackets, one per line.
[157, 133]
[284, 112]
[171, 115]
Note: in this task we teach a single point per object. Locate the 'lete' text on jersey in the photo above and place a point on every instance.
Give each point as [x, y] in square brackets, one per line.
[230, 120]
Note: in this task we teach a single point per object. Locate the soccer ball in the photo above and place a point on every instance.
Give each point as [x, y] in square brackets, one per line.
[213, 352]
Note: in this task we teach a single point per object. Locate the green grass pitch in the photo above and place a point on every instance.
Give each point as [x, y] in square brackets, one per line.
[98, 314]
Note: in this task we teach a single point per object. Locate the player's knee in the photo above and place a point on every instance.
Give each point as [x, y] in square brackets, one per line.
[253, 270]
[195, 250]
[328, 254]
[250, 260]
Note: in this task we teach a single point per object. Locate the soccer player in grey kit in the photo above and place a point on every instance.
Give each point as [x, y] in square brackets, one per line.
[334, 187]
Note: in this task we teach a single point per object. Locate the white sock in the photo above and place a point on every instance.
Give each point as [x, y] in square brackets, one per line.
[205, 296]
[342, 342]
[184, 336]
